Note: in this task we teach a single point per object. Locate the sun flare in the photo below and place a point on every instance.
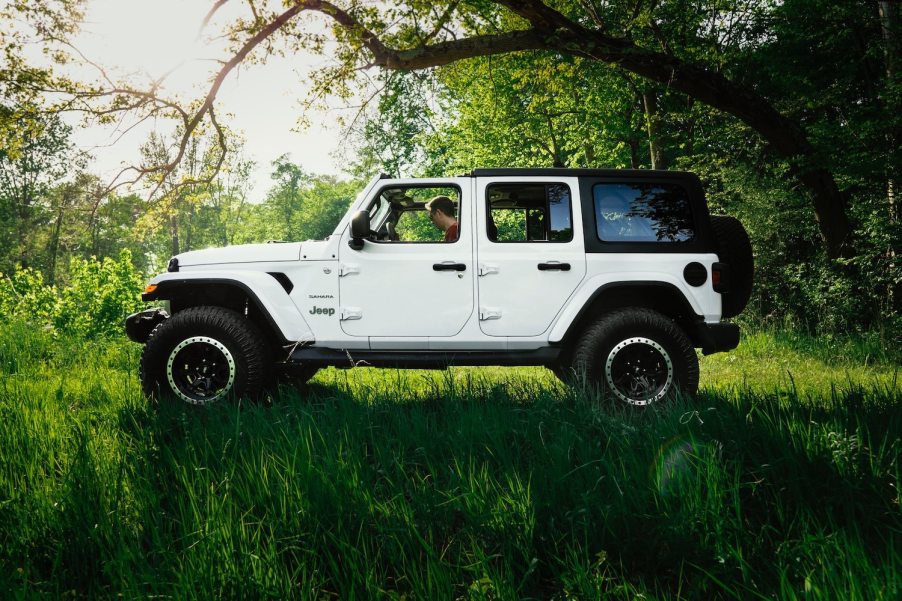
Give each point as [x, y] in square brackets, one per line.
[152, 38]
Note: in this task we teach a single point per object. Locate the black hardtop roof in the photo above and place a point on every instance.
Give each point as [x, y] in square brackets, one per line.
[568, 172]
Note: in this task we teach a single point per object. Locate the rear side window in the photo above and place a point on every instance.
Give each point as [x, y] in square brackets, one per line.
[640, 212]
[529, 213]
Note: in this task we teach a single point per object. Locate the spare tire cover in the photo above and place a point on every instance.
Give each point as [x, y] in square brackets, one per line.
[734, 248]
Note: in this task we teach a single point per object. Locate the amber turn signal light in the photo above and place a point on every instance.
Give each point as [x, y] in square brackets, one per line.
[150, 288]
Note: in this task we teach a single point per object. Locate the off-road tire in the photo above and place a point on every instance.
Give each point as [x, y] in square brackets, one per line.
[635, 356]
[219, 333]
[735, 249]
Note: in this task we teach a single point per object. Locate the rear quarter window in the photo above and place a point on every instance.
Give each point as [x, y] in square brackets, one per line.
[643, 212]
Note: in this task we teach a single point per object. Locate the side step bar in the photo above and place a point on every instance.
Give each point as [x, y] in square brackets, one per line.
[323, 357]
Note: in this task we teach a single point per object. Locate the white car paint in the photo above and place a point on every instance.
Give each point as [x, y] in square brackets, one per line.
[242, 253]
[515, 298]
[403, 304]
[391, 289]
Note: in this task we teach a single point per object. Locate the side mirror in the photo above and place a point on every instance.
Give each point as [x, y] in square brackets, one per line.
[360, 229]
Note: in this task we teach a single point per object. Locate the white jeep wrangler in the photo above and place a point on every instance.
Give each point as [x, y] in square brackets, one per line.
[609, 276]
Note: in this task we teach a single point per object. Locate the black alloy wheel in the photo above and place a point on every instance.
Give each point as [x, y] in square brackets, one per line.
[636, 356]
[202, 355]
[638, 371]
[200, 370]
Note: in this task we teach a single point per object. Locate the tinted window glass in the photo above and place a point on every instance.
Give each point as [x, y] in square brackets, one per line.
[642, 213]
[529, 213]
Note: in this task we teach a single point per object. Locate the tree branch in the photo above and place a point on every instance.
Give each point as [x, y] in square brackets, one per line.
[551, 30]
[216, 6]
[207, 106]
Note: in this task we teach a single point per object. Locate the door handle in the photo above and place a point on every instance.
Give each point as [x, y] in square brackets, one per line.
[449, 267]
[554, 266]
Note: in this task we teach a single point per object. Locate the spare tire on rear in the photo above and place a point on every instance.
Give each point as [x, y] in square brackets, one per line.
[735, 249]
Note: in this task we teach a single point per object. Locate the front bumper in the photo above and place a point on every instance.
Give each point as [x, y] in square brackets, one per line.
[716, 337]
[138, 326]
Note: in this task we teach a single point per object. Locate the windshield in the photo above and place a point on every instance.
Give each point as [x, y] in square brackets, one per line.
[379, 211]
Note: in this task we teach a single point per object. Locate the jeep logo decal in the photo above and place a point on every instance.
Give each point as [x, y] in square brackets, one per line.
[322, 311]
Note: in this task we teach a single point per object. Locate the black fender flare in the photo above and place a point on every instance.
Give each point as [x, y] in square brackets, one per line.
[619, 291]
[167, 289]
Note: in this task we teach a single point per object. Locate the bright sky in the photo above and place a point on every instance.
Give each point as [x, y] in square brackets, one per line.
[150, 37]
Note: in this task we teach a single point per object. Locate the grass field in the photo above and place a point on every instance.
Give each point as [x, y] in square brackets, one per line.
[779, 480]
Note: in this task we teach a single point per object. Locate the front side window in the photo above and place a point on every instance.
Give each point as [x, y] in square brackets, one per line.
[529, 213]
[416, 214]
[640, 212]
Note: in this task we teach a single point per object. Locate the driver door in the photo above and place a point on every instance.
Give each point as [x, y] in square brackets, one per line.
[406, 282]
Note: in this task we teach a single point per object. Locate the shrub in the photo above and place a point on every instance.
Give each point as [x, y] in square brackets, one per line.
[23, 294]
[99, 294]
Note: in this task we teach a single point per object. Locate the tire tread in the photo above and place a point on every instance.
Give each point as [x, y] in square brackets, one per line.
[250, 342]
[587, 362]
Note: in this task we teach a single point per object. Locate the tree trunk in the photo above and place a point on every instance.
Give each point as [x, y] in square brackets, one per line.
[589, 151]
[690, 144]
[556, 154]
[188, 228]
[633, 143]
[55, 243]
[653, 128]
[174, 233]
[23, 226]
[889, 27]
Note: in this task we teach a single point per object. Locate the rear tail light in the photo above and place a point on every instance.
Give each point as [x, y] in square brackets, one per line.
[720, 277]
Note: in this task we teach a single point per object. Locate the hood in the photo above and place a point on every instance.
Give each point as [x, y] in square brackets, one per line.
[242, 253]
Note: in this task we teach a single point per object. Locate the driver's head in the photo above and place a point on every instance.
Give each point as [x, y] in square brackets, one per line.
[441, 203]
[441, 212]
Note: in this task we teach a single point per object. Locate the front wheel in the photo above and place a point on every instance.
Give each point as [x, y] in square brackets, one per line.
[637, 356]
[203, 354]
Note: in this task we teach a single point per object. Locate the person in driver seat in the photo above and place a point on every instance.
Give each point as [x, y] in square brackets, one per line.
[441, 211]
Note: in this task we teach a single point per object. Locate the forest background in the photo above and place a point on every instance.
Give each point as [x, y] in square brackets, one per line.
[779, 479]
[830, 69]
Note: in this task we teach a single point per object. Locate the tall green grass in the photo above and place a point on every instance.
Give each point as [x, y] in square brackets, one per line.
[470, 483]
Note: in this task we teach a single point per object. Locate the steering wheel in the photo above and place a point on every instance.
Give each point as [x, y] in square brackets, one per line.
[390, 231]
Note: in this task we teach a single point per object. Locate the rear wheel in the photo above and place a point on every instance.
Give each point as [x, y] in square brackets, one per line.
[636, 356]
[203, 354]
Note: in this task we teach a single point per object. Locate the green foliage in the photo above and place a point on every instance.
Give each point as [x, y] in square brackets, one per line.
[98, 296]
[300, 206]
[832, 68]
[29, 169]
[322, 205]
[471, 483]
[825, 64]
[405, 116]
[416, 226]
[511, 225]
[23, 294]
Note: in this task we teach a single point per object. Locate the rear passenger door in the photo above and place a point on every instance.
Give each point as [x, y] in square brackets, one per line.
[530, 252]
